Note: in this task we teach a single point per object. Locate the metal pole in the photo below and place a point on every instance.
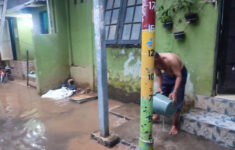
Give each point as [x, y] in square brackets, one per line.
[98, 7]
[27, 67]
[147, 74]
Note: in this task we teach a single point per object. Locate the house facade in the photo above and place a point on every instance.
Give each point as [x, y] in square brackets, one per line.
[59, 36]
[69, 51]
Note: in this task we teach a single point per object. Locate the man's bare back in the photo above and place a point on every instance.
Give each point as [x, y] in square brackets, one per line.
[170, 63]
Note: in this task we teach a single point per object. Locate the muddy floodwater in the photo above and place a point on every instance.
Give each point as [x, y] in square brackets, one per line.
[28, 122]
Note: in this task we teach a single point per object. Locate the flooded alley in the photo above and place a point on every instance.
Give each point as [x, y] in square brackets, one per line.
[28, 122]
[141, 74]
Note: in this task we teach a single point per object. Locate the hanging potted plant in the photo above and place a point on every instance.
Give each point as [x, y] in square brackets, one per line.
[179, 35]
[187, 5]
[165, 15]
[191, 17]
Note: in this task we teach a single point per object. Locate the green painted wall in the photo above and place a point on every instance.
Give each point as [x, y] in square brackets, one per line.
[123, 66]
[81, 32]
[81, 40]
[198, 49]
[83, 55]
[24, 41]
[52, 52]
[24, 28]
[55, 53]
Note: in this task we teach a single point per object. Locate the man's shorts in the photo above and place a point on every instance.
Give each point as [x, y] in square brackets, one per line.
[168, 85]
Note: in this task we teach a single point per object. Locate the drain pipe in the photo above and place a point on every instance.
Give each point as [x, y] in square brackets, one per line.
[147, 74]
[101, 65]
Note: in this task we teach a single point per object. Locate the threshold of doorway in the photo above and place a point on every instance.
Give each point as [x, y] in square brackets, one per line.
[226, 96]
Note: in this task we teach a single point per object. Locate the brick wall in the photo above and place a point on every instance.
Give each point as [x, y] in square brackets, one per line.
[19, 68]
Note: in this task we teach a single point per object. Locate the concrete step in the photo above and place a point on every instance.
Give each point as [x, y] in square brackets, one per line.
[214, 104]
[217, 127]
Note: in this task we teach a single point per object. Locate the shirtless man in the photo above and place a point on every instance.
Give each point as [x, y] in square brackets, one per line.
[171, 79]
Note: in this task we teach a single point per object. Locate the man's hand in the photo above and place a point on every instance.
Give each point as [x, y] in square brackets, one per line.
[173, 97]
[159, 90]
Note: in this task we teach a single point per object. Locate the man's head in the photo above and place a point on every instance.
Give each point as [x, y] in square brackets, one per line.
[156, 55]
[157, 58]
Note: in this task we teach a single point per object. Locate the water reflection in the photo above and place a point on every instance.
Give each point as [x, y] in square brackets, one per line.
[20, 129]
[17, 134]
[28, 122]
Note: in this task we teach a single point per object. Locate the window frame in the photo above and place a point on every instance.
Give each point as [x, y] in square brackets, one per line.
[113, 42]
[126, 42]
[118, 42]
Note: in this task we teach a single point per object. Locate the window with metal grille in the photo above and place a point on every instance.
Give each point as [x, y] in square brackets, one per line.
[123, 22]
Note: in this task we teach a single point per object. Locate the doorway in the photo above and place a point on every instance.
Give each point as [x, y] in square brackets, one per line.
[226, 57]
[12, 29]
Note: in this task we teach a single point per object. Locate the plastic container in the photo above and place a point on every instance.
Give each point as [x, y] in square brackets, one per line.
[163, 105]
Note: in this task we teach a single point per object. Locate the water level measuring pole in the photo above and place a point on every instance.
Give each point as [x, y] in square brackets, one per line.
[147, 74]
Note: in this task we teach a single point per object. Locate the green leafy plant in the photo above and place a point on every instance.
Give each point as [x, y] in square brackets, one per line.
[184, 4]
[187, 6]
[164, 14]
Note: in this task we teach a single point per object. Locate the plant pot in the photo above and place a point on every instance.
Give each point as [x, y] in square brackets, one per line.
[168, 25]
[191, 18]
[179, 35]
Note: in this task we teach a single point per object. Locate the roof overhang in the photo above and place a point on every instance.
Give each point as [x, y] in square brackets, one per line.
[15, 6]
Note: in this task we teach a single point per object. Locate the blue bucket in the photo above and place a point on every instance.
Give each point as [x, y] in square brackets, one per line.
[163, 105]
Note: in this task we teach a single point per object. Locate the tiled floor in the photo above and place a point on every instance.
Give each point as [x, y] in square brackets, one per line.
[129, 133]
[229, 97]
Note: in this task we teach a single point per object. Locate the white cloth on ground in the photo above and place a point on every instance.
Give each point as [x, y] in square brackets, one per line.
[58, 93]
